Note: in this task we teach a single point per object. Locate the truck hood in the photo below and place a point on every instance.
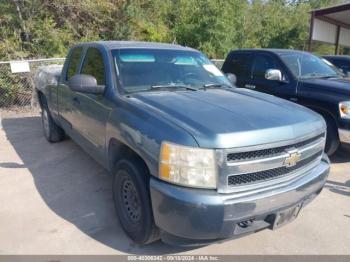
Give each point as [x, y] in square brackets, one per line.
[340, 86]
[218, 118]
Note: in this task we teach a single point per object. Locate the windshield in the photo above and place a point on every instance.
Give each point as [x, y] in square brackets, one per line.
[155, 69]
[304, 65]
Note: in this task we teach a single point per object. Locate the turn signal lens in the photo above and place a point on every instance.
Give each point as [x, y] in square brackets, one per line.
[344, 109]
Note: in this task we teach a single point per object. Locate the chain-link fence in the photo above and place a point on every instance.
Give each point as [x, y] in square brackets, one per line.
[17, 83]
[218, 62]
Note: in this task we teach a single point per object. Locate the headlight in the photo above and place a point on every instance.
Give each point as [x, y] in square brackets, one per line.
[344, 109]
[187, 166]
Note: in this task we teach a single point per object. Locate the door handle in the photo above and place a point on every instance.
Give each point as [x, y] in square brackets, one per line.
[76, 100]
[250, 86]
[294, 99]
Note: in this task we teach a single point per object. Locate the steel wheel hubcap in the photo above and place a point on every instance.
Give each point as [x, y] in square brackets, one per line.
[131, 201]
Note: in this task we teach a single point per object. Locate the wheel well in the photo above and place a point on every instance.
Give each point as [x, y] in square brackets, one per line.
[118, 151]
[332, 141]
[325, 114]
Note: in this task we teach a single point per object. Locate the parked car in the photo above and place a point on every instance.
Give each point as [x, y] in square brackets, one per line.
[194, 159]
[299, 77]
[340, 61]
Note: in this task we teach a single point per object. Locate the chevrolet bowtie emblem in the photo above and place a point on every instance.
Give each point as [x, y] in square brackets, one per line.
[292, 159]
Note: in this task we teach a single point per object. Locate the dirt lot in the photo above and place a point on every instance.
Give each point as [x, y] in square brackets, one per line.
[54, 199]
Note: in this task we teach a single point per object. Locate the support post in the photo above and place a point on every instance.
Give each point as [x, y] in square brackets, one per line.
[311, 31]
[336, 51]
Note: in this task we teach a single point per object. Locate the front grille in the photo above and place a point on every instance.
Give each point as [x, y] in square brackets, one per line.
[235, 180]
[270, 152]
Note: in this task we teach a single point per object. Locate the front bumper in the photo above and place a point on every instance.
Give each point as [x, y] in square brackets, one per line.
[189, 216]
[344, 136]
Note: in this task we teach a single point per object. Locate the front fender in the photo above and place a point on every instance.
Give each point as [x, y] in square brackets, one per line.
[143, 130]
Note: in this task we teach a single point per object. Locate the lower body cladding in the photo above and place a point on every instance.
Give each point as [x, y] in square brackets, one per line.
[190, 217]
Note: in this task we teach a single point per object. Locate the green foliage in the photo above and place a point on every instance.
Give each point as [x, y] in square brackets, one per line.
[213, 26]
[206, 25]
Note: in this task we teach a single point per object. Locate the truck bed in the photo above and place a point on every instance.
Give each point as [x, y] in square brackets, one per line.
[47, 76]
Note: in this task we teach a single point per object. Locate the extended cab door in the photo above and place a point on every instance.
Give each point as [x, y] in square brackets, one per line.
[92, 110]
[263, 62]
[65, 94]
[238, 63]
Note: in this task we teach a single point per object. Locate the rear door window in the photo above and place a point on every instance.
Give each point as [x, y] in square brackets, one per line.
[262, 62]
[238, 64]
[93, 65]
[74, 62]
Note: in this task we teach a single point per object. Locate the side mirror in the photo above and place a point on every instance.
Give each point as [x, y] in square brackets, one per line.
[232, 78]
[85, 84]
[273, 74]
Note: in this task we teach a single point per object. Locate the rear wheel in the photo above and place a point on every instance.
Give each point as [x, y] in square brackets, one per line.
[132, 201]
[52, 131]
[332, 140]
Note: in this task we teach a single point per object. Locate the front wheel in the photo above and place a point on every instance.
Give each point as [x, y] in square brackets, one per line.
[132, 201]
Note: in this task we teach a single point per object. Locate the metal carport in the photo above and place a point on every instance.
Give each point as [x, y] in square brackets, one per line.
[330, 25]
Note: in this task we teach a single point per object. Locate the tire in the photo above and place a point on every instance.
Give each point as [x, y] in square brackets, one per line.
[53, 133]
[332, 140]
[132, 201]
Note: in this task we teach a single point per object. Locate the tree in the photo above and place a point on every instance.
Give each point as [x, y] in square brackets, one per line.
[47, 28]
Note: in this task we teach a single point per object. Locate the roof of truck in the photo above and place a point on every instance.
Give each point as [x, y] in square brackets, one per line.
[271, 50]
[137, 44]
[337, 56]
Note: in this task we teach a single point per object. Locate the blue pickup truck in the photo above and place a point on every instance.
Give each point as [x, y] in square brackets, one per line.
[194, 159]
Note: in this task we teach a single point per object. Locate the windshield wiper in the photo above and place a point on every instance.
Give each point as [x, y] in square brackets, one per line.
[316, 75]
[215, 86]
[331, 76]
[158, 87]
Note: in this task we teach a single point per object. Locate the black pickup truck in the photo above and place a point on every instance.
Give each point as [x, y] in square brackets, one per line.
[300, 77]
[340, 61]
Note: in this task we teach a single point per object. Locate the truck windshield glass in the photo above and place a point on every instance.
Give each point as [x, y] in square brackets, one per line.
[163, 69]
[305, 65]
